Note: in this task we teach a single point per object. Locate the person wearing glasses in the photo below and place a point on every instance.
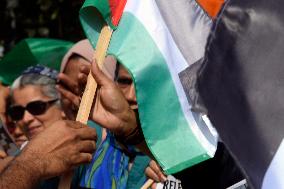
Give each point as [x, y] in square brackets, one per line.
[60, 148]
[35, 102]
[35, 105]
[55, 145]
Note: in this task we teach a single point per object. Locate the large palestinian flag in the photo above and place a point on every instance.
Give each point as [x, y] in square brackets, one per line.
[242, 85]
[158, 42]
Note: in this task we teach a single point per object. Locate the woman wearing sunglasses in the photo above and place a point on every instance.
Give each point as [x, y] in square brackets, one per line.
[35, 102]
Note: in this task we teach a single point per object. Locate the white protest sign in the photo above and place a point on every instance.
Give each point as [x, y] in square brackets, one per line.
[171, 183]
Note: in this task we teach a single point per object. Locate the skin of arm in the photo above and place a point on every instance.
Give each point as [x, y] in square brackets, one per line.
[22, 172]
[4, 161]
[60, 148]
[111, 109]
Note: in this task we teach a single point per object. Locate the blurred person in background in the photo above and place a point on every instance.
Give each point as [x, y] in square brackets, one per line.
[9, 132]
[14, 130]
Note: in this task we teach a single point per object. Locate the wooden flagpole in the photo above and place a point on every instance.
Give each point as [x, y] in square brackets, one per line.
[147, 184]
[90, 90]
[88, 97]
[89, 93]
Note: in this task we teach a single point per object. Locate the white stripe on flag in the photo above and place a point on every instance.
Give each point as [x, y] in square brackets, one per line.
[274, 175]
[156, 27]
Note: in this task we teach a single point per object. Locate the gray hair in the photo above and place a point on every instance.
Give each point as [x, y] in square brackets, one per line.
[47, 84]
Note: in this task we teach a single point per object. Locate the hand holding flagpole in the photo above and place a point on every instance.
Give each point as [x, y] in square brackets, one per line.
[91, 86]
[89, 93]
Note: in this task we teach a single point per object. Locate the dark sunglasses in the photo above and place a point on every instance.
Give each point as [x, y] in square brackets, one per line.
[37, 107]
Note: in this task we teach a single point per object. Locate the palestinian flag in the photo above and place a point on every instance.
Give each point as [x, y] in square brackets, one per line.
[32, 51]
[158, 42]
[241, 83]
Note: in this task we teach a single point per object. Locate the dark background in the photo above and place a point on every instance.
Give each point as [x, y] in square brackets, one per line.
[20, 19]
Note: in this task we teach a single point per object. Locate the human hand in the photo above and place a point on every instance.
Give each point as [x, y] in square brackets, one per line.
[71, 90]
[4, 159]
[59, 148]
[3, 154]
[4, 94]
[110, 108]
[153, 171]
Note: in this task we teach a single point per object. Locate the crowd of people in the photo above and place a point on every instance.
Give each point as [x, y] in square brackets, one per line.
[39, 110]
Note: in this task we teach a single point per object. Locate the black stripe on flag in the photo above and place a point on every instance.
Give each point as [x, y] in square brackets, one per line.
[241, 82]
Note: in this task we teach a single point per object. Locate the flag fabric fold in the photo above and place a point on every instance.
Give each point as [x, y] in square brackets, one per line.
[241, 84]
[148, 43]
[32, 51]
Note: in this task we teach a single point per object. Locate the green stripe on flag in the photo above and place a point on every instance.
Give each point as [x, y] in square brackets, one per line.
[165, 128]
[91, 23]
[98, 7]
[102, 9]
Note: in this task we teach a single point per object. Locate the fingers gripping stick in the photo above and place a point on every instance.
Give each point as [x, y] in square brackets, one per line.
[147, 184]
[90, 90]
[89, 93]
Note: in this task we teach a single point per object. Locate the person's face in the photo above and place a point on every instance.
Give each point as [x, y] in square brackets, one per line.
[34, 124]
[125, 83]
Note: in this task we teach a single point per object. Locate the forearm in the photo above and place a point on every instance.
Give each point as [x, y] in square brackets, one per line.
[22, 172]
